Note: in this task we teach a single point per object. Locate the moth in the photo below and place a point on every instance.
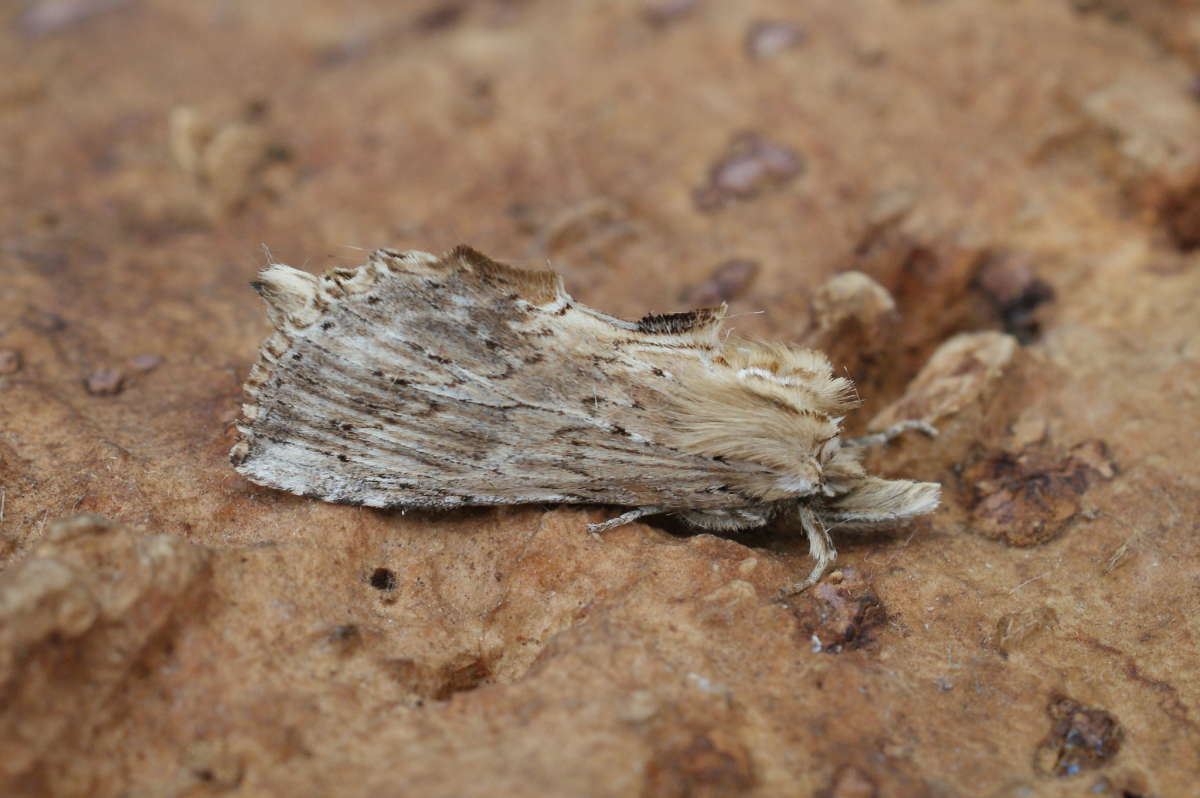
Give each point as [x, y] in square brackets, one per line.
[415, 381]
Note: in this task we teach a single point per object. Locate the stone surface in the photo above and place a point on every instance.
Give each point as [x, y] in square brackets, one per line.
[1021, 174]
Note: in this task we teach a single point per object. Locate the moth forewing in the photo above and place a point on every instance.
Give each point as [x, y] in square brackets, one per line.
[417, 381]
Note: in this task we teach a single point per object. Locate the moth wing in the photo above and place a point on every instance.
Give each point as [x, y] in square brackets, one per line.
[418, 381]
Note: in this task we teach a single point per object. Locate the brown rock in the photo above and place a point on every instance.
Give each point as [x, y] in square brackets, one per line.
[961, 371]
[1082, 738]
[853, 319]
[842, 613]
[229, 162]
[75, 616]
[1029, 498]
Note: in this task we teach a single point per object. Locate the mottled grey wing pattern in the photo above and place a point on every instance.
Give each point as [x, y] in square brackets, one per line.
[417, 382]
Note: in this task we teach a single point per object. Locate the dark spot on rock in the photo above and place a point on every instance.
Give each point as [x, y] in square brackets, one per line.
[461, 678]
[727, 282]
[343, 458]
[490, 344]
[658, 372]
[460, 675]
[661, 13]
[841, 612]
[297, 356]
[1015, 292]
[1028, 498]
[44, 321]
[10, 361]
[372, 299]
[326, 325]
[1081, 738]
[700, 763]
[536, 357]
[1179, 212]
[752, 164]
[256, 109]
[440, 17]
[344, 634]
[1116, 11]
[383, 579]
[617, 429]
[766, 38]
[477, 102]
[104, 382]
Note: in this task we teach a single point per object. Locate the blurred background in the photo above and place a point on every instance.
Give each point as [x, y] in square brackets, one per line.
[1026, 168]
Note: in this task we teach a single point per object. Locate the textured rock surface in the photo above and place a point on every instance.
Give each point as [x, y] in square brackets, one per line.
[1025, 173]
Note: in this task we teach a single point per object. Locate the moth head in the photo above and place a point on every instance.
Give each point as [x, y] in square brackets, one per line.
[290, 295]
[774, 406]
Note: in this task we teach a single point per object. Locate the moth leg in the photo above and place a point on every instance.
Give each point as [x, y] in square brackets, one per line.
[820, 548]
[728, 520]
[625, 518]
[894, 431]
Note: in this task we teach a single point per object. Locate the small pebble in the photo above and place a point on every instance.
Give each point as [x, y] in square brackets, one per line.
[145, 362]
[765, 39]
[104, 382]
[752, 163]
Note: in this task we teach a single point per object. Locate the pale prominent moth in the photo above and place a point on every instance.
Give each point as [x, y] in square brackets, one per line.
[416, 381]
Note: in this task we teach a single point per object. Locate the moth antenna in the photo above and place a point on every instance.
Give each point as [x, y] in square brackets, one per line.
[267, 253]
[289, 294]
